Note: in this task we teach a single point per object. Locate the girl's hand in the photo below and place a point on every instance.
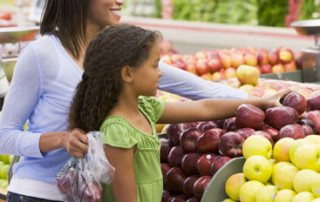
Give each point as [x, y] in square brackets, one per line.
[76, 143]
[274, 100]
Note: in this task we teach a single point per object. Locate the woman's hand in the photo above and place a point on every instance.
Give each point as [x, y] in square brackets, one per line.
[76, 143]
[275, 100]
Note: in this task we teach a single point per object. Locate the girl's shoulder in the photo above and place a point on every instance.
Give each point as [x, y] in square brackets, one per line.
[151, 106]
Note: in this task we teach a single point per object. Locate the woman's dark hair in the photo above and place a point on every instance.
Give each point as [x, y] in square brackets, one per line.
[114, 47]
[66, 19]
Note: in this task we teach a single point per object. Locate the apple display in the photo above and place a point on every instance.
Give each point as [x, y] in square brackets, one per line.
[230, 144]
[174, 180]
[257, 167]
[249, 116]
[175, 156]
[277, 117]
[248, 74]
[189, 140]
[249, 190]
[189, 163]
[257, 145]
[209, 140]
[233, 185]
[218, 163]
[204, 163]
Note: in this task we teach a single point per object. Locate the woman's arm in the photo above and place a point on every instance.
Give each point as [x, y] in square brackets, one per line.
[188, 85]
[123, 184]
[213, 109]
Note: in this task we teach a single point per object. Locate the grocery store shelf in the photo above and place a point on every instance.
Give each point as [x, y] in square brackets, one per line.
[189, 37]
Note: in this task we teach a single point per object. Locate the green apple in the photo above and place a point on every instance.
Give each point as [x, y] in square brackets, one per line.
[276, 167]
[5, 158]
[4, 184]
[257, 145]
[233, 184]
[315, 186]
[303, 180]
[257, 168]
[281, 149]
[297, 143]
[11, 158]
[249, 189]
[284, 176]
[307, 156]
[284, 195]
[303, 197]
[267, 193]
[4, 171]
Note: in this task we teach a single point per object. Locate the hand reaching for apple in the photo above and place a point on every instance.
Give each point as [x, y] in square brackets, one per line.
[275, 100]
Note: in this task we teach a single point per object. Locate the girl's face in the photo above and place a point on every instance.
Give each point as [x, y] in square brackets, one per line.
[105, 12]
[148, 74]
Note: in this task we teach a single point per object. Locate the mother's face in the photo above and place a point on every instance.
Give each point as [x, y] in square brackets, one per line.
[105, 12]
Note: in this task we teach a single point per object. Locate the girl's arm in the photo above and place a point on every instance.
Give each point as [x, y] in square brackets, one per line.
[186, 84]
[123, 184]
[213, 109]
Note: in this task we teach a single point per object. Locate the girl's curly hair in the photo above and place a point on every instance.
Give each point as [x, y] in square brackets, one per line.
[113, 48]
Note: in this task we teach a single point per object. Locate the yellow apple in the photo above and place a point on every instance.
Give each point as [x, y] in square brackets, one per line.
[303, 180]
[246, 88]
[276, 167]
[316, 200]
[315, 186]
[284, 195]
[297, 143]
[233, 184]
[248, 74]
[269, 92]
[284, 176]
[307, 156]
[281, 149]
[229, 200]
[303, 197]
[257, 145]
[315, 139]
[267, 193]
[249, 189]
[257, 167]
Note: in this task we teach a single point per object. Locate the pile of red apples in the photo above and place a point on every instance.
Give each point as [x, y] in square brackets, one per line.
[222, 64]
[193, 152]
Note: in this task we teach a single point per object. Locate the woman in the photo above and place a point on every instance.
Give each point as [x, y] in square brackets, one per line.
[45, 77]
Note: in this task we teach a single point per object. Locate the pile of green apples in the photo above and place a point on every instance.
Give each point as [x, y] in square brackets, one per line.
[5, 161]
[288, 171]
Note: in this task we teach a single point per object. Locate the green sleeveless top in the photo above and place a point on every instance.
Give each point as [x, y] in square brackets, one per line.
[118, 132]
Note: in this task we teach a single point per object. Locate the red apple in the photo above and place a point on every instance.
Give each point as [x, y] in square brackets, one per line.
[313, 101]
[278, 68]
[189, 163]
[202, 67]
[179, 198]
[166, 59]
[174, 180]
[189, 140]
[250, 59]
[249, 116]
[230, 144]
[218, 163]
[294, 131]
[220, 123]
[277, 117]
[245, 132]
[314, 116]
[266, 69]
[217, 76]
[200, 185]
[307, 130]
[188, 185]
[262, 56]
[201, 55]
[193, 199]
[237, 59]
[204, 163]
[206, 125]
[230, 124]
[296, 101]
[225, 60]
[304, 121]
[165, 149]
[273, 133]
[285, 54]
[209, 140]
[273, 56]
[174, 131]
[290, 66]
[215, 64]
[175, 156]
[166, 195]
[264, 134]
[165, 167]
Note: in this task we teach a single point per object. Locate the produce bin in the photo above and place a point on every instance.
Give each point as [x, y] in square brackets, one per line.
[215, 191]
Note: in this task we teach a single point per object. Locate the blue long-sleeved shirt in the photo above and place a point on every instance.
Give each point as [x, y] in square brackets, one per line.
[41, 91]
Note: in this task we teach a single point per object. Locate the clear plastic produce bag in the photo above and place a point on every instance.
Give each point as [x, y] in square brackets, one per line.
[79, 179]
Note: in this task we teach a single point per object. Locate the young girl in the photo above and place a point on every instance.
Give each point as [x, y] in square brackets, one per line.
[115, 96]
